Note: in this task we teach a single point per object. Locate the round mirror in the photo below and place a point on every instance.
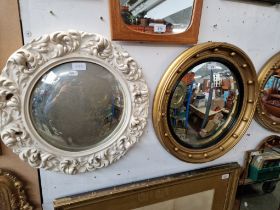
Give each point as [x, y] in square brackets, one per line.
[72, 102]
[270, 95]
[75, 110]
[205, 102]
[268, 107]
[157, 16]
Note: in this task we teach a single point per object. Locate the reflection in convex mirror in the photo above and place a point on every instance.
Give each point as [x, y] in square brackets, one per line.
[271, 95]
[76, 105]
[268, 106]
[157, 16]
[203, 102]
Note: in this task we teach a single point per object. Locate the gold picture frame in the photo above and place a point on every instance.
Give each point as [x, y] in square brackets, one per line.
[230, 132]
[12, 193]
[222, 179]
[264, 110]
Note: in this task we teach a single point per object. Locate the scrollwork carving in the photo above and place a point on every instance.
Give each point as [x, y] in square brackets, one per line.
[12, 194]
[21, 69]
[127, 66]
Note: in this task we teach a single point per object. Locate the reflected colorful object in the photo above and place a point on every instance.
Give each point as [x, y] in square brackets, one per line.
[271, 95]
[268, 107]
[205, 103]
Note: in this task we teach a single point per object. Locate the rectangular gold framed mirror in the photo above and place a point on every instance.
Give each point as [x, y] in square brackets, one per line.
[211, 188]
[169, 21]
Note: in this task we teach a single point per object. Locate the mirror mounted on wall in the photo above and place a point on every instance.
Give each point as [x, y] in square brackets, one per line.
[173, 21]
[268, 107]
[205, 101]
[72, 102]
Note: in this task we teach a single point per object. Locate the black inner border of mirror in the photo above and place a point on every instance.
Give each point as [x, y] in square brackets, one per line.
[238, 78]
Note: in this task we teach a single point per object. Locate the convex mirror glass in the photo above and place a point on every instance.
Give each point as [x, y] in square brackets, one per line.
[271, 95]
[268, 107]
[72, 102]
[205, 101]
[76, 105]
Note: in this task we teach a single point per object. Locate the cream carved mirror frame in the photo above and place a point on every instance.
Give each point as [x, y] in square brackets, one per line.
[27, 65]
[268, 114]
[235, 124]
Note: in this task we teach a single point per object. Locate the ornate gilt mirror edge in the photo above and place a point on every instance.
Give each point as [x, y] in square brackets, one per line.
[261, 115]
[17, 195]
[20, 69]
[245, 67]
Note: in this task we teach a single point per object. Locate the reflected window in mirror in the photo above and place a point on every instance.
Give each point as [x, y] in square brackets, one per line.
[157, 16]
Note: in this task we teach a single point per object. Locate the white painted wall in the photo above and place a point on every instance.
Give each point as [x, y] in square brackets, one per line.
[253, 27]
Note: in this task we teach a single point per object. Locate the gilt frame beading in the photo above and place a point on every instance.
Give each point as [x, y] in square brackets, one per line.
[179, 66]
[223, 179]
[262, 116]
[12, 192]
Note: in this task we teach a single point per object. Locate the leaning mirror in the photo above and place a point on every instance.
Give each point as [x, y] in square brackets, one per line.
[268, 107]
[205, 101]
[72, 102]
[156, 20]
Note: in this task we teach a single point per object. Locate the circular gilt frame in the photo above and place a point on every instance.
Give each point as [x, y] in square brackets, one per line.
[196, 54]
[26, 66]
[262, 116]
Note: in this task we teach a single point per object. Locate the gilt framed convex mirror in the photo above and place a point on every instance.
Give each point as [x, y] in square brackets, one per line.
[205, 101]
[268, 106]
[72, 102]
[170, 21]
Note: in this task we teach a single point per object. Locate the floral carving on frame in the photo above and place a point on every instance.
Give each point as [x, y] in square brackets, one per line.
[28, 65]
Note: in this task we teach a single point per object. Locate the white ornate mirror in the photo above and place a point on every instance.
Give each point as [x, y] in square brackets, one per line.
[72, 102]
